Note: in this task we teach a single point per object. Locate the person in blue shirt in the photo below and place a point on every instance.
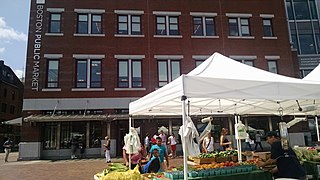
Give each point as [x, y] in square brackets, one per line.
[153, 166]
[162, 153]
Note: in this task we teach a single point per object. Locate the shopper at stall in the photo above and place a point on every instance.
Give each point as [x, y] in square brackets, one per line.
[172, 141]
[208, 144]
[224, 141]
[162, 152]
[288, 165]
[7, 148]
[258, 141]
[153, 166]
[107, 149]
[135, 158]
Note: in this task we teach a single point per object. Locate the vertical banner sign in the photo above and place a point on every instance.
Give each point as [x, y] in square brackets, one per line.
[38, 25]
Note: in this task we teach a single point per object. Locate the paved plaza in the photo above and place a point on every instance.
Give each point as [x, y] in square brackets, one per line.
[77, 169]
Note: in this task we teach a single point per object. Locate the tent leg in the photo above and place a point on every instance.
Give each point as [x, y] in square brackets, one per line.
[317, 127]
[130, 123]
[236, 119]
[185, 164]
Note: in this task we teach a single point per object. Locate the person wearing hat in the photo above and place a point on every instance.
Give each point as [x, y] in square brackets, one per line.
[288, 165]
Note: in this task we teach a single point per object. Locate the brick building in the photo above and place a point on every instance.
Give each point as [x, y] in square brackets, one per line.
[87, 60]
[11, 97]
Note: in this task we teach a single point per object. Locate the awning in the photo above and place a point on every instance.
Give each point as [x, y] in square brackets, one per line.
[14, 122]
[64, 118]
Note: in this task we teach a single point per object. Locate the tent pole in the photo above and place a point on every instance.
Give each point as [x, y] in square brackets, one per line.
[130, 123]
[317, 127]
[185, 165]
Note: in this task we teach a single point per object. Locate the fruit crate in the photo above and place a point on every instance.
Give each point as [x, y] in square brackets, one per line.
[203, 160]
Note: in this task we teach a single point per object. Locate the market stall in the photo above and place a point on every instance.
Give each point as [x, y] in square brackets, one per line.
[221, 85]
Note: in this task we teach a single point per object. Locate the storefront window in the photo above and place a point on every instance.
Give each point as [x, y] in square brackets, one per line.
[50, 136]
[72, 129]
[95, 134]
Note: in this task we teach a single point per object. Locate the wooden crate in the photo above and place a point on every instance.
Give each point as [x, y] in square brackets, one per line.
[203, 160]
[222, 159]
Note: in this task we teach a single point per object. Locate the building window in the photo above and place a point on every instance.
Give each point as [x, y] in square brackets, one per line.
[95, 134]
[5, 92]
[167, 25]
[198, 62]
[13, 95]
[239, 27]
[53, 73]
[247, 62]
[55, 23]
[88, 73]
[70, 130]
[129, 73]
[129, 24]
[272, 66]
[12, 108]
[168, 70]
[203, 26]
[89, 24]
[267, 28]
[4, 107]
[50, 136]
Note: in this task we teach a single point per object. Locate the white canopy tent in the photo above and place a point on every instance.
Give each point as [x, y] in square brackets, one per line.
[315, 76]
[221, 85]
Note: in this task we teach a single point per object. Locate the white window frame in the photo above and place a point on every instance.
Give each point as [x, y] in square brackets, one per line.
[269, 16]
[89, 12]
[52, 56]
[55, 10]
[240, 16]
[243, 59]
[88, 58]
[204, 15]
[272, 58]
[130, 58]
[129, 13]
[168, 58]
[168, 14]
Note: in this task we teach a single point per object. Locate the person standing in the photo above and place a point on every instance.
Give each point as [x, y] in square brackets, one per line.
[147, 142]
[107, 149]
[74, 146]
[135, 158]
[208, 144]
[7, 148]
[258, 141]
[163, 138]
[173, 145]
[248, 142]
[162, 153]
[224, 142]
[288, 165]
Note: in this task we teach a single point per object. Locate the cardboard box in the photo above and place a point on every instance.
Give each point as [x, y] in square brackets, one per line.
[263, 155]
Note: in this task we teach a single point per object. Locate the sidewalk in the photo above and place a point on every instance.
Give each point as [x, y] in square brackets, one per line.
[52, 170]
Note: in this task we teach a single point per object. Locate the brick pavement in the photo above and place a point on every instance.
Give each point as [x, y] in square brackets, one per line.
[56, 170]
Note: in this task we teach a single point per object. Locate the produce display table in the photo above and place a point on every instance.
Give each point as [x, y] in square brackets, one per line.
[312, 168]
[253, 175]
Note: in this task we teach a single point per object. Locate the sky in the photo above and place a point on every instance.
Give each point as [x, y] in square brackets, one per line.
[14, 24]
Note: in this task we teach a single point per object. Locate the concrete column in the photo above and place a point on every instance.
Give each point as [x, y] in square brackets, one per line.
[108, 129]
[230, 125]
[270, 123]
[246, 123]
[88, 135]
[58, 135]
[170, 126]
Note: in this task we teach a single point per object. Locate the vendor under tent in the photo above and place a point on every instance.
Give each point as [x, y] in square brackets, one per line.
[221, 85]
